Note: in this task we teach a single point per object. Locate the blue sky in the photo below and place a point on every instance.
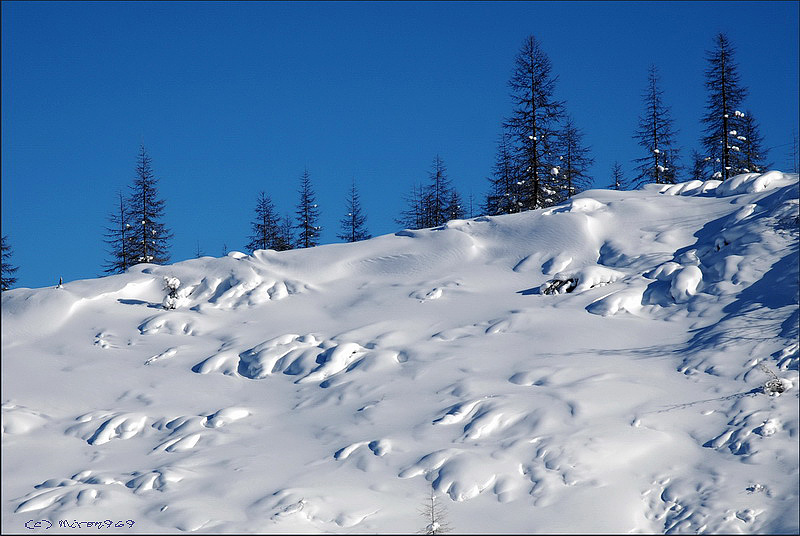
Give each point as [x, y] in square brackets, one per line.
[233, 98]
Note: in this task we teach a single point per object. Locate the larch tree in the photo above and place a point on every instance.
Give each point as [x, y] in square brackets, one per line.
[307, 215]
[118, 237]
[700, 166]
[149, 239]
[617, 177]
[434, 204]
[752, 153]
[265, 225]
[723, 115]
[504, 192]
[435, 516]
[438, 197]
[574, 161]
[7, 279]
[287, 239]
[534, 123]
[656, 137]
[354, 221]
[414, 215]
[455, 207]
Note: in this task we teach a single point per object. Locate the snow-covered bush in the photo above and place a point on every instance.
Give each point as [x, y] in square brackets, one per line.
[171, 285]
[559, 286]
[775, 385]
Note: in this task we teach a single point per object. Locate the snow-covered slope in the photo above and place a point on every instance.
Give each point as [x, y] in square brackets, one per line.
[330, 389]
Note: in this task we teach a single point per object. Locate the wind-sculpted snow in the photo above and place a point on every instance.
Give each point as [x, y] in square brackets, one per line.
[623, 362]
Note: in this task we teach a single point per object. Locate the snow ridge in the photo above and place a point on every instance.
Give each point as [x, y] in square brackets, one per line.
[609, 357]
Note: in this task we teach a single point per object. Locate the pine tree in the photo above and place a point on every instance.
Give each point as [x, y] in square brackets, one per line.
[617, 178]
[722, 108]
[534, 123]
[118, 237]
[149, 240]
[354, 222]
[656, 137]
[307, 215]
[504, 193]
[198, 252]
[7, 270]
[752, 153]
[265, 225]
[574, 161]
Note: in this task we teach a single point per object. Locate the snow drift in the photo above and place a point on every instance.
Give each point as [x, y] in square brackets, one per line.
[608, 358]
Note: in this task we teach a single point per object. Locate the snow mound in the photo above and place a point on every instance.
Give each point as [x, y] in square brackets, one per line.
[581, 280]
[578, 204]
[746, 183]
[19, 419]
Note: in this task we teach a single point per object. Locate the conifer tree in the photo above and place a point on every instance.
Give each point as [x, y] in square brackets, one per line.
[455, 208]
[287, 240]
[354, 221]
[414, 216]
[149, 239]
[435, 516]
[752, 153]
[725, 96]
[574, 161]
[265, 226]
[7, 278]
[307, 215]
[439, 195]
[118, 237]
[504, 193]
[656, 136]
[434, 204]
[617, 177]
[534, 123]
[700, 166]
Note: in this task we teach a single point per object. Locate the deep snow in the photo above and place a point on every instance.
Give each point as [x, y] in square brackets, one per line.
[329, 389]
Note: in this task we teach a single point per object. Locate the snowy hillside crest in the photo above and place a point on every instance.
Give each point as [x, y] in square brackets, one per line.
[630, 357]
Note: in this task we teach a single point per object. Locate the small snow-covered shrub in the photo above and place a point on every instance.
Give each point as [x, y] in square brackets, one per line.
[171, 285]
[775, 385]
[559, 286]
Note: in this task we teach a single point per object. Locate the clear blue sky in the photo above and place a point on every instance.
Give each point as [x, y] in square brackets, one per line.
[232, 98]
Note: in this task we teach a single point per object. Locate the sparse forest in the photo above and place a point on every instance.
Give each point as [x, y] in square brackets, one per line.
[137, 232]
[541, 160]
[8, 269]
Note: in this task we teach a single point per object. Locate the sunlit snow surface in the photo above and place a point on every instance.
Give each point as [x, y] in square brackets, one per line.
[329, 389]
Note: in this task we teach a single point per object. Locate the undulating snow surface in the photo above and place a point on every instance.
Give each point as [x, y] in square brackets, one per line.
[599, 366]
